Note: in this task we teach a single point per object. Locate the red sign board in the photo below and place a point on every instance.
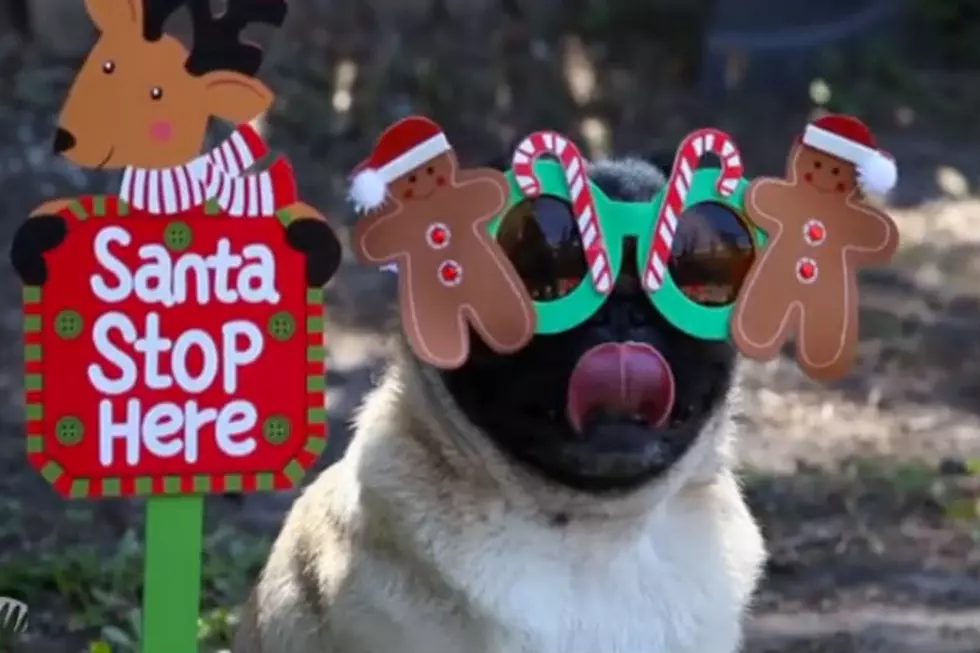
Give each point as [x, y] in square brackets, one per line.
[173, 355]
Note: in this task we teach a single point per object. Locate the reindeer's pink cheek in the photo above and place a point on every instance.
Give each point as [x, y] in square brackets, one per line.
[162, 130]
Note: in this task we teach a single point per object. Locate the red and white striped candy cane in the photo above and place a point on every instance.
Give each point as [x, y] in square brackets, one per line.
[583, 204]
[692, 148]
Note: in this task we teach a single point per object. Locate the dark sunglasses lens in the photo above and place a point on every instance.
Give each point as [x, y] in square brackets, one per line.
[541, 240]
[711, 254]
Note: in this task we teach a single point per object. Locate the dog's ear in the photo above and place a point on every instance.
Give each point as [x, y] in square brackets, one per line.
[664, 160]
[661, 159]
[500, 161]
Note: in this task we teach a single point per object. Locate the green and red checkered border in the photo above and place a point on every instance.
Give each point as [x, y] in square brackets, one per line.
[93, 488]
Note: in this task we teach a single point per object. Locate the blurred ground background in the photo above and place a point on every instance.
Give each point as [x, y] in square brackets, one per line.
[867, 489]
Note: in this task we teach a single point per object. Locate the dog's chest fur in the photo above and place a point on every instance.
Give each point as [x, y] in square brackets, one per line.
[664, 585]
[396, 549]
[477, 573]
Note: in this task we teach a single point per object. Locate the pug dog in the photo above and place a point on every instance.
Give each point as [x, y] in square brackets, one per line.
[578, 496]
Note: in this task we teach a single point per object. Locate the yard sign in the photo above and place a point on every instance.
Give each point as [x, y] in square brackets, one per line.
[170, 357]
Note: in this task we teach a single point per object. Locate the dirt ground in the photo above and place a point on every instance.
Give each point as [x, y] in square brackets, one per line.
[864, 486]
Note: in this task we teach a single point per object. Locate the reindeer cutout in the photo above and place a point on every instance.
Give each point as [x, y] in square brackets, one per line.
[142, 101]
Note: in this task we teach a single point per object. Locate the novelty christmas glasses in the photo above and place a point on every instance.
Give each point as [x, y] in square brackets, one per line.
[540, 248]
[567, 239]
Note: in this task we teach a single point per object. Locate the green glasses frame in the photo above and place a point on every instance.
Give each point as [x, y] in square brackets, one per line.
[622, 219]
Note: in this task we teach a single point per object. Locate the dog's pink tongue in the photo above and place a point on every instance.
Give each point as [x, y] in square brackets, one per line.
[627, 378]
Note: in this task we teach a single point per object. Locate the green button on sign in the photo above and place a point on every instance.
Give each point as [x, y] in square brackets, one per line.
[69, 430]
[276, 429]
[68, 324]
[282, 326]
[177, 235]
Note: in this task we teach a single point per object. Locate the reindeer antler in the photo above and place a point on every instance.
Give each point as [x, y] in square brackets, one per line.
[217, 44]
[155, 15]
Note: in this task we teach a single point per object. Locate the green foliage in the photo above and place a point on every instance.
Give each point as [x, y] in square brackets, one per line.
[99, 647]
[99, 590]
[964, 504]
[950, 29]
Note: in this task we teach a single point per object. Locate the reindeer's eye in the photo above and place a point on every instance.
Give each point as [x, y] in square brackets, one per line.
[109, 67]
[156, 92]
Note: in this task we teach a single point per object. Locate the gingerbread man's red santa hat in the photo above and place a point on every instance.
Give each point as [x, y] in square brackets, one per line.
[848, 138]
[402, 147]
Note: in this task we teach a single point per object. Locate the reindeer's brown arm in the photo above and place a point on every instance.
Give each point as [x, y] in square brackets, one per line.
[50, 207]
[301, 210]
[309, 232]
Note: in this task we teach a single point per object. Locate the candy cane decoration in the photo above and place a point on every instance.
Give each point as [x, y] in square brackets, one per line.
[583, 204]
[692, 148]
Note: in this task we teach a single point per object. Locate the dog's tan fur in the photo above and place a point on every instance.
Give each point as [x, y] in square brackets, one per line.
[424, 538]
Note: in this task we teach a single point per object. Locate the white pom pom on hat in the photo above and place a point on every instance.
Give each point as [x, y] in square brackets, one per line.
[368, 189]
[401, 148]
[850, 139]
[878, 175]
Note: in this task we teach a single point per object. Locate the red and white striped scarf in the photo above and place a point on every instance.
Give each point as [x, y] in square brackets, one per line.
[217, 175]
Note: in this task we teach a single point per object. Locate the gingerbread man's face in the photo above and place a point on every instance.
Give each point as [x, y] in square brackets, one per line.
[425, 181]
[823, 172]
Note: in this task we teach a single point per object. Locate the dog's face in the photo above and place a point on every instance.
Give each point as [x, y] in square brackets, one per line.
[585, 409]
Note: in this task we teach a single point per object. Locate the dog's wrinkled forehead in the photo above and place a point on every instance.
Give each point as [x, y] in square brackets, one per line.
[627, 180]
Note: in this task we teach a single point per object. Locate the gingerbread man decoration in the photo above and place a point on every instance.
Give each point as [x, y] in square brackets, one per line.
[821, 231]
[429, 217]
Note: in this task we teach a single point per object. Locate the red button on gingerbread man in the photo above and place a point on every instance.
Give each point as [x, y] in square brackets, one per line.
[821, 230]
[430, 218]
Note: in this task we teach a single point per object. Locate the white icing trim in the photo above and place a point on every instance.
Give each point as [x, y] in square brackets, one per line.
[837, 145]
[424, 151]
